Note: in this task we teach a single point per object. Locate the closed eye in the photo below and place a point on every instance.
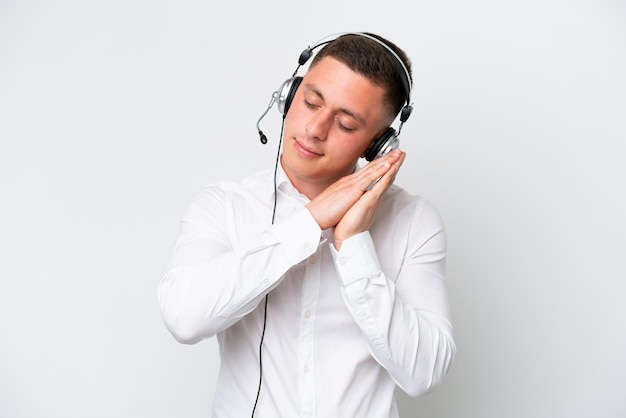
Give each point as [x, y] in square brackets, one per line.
[341, 126]
[344, 127]
[309, 104]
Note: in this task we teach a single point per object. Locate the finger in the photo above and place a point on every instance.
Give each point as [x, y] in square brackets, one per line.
[389, 175]
[374, 170]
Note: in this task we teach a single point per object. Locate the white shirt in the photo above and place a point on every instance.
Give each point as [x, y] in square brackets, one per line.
[343, 328]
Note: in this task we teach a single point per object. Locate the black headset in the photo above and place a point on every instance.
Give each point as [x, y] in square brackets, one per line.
[283, 97]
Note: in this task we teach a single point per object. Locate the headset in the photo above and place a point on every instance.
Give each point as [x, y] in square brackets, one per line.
[380, 146]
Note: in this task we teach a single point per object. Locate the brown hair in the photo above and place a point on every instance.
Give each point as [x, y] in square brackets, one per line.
[370, 59]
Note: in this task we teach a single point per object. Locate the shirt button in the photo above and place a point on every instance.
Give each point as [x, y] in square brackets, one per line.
[306, 369]
[266, 280]
[343, 261]
[312, 259]
[307, 314]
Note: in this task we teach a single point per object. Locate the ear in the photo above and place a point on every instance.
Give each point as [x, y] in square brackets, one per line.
[382, 145]
[373, 143]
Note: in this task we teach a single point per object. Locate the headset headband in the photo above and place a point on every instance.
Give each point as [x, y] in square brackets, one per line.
[402, 69]
[285, 94]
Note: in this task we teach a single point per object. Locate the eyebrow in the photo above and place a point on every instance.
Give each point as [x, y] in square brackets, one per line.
[343, 110]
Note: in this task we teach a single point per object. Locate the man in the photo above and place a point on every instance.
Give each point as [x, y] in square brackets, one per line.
[326, 298]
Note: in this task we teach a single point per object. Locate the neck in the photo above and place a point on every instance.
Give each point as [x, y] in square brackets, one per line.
[311, 187]
[308, 189]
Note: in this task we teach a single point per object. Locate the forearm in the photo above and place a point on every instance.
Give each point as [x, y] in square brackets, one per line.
[404, 316]
[211, 285]
[420, 348]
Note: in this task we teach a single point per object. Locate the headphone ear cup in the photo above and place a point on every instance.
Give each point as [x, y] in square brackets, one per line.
[383, 144]
[286, 93]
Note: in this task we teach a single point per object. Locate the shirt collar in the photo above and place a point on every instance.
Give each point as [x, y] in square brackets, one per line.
[284, 185]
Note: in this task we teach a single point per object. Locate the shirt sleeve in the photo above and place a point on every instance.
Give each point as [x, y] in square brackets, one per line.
[404, 314]
[214, 278]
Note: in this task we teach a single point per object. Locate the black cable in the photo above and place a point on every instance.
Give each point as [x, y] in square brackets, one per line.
[280, 140]
[261, 357]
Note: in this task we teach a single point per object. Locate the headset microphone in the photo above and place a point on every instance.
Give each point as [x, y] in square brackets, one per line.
[262, 136]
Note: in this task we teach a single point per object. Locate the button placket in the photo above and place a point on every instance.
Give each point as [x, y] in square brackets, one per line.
[309, 296]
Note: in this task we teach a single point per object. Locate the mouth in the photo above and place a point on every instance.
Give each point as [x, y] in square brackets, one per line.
[307, 151]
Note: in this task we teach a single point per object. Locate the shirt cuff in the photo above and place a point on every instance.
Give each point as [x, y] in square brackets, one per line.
[356, 259]
[301, 233]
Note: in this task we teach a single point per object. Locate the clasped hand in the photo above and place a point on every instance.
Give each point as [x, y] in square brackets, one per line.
[351, 203]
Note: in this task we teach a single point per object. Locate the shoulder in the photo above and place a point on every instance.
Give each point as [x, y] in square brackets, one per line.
[407, 215]
[398, 201]
[407, 226]
[224, 195]
[258, 183]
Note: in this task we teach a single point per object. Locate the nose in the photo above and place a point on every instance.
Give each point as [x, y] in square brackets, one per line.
[319, 125]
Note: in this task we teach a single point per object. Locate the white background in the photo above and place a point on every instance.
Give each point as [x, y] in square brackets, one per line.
[113, 113]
